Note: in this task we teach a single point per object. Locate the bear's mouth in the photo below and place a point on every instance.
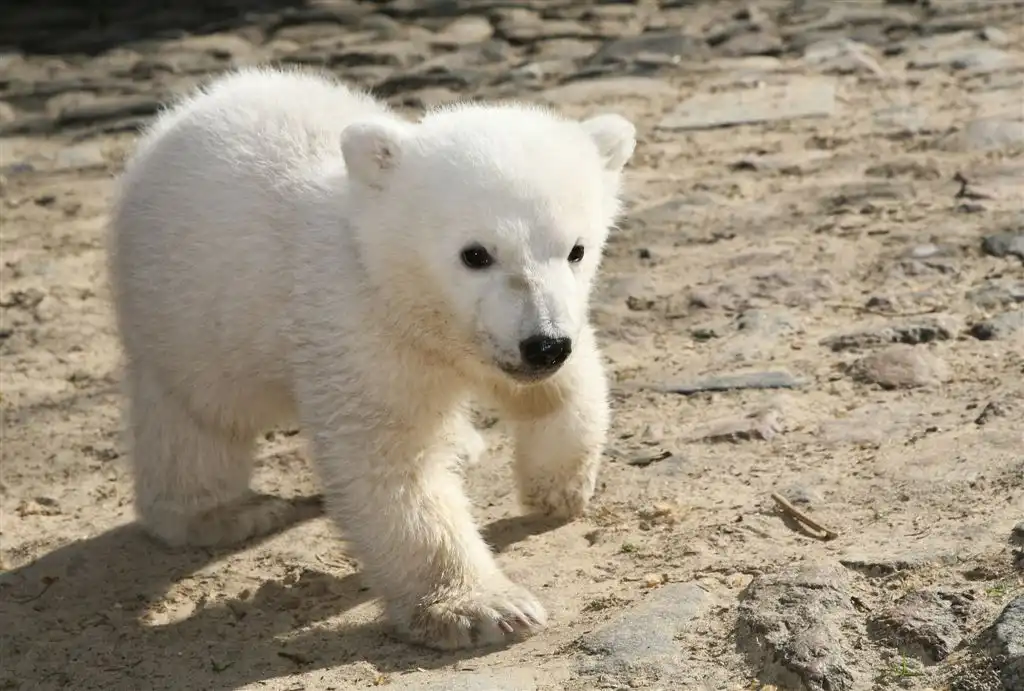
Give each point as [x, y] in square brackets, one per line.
[528, 375]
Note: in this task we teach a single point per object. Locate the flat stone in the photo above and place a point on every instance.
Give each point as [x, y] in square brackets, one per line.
[800, 98]
[988, 134]
[979, 59]
[109, 108]
[1004, 641]
[587, 91]
[673, 45]
[1004, 245]
[88, 155]
[464, 31]
[751, 43]
[7, 113]
[564, 49]
[902, 366]
[926, 625]
[221, 46]
[903, 119]
[791, 628]
[733, 382]
[764, 322]
[993, 294]
[843, 56]
[994, 35]
[886, 562]
[904, 167]
[642, 640]
[1000, 327]
[856, 195]
[908, 332]
[761, 426]
[521, 26]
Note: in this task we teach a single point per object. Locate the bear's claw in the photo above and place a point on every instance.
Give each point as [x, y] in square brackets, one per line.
[477, 620]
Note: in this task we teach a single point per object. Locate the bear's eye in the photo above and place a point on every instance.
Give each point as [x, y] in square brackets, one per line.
[476, 257]
[577, 254]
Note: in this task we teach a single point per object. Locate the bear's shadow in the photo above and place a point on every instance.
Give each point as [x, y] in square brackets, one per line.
[72, 620]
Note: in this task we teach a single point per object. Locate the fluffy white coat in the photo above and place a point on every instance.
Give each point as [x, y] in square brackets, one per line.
[286, 250]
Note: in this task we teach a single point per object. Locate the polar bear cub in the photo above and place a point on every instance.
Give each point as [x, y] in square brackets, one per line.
[287, 250]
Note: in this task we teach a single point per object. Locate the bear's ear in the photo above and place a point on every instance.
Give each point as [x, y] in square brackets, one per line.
[372, 150]
[615, 137]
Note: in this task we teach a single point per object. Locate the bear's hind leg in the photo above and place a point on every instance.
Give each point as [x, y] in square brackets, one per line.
[192, 478]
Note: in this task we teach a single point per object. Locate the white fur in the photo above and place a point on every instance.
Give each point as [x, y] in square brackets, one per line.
[285, 249]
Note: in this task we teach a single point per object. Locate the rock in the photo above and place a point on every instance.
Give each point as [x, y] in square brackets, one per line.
[800, 98]
[1017, 535]
[589, 91]
[902, 366]
[464, 31]
[992, 409]
[980, 60]
[883, 564]
[760, 426]
[88, 155]
[790, 628]
[999, 327]
[993, 294]
[898, 168]
[1004, 245]
[1004, 642]
[518, 26]
[220, 46]
[995, 36]
[763, 322]
[988, 134]
[672, 46]
[749, 43]
[641, 642]
[7, 113]
[564, 49]
[645, 459]
[109, 108]
[857, 195]
[732, 382]
[843, 56]
[909, 332]
[433, 77]
[902, 120]
[927, 625]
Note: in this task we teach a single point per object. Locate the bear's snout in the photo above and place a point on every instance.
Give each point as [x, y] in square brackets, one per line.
[545, 353]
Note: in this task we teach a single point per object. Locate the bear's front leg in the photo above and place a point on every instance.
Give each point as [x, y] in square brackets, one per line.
[409, 520]
[560, 428]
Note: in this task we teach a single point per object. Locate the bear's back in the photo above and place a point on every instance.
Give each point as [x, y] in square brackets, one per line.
[202, 230]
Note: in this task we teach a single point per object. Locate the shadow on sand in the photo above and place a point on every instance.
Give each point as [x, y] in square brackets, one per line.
[72, 619]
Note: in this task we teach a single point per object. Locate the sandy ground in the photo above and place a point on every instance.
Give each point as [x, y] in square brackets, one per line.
[858, 255]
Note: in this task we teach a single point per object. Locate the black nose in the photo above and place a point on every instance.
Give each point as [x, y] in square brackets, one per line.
[545, 352]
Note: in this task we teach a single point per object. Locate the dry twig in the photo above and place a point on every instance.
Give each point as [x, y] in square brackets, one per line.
[798, 515]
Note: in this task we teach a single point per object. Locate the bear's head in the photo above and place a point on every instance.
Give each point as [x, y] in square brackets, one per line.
[482, 226]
